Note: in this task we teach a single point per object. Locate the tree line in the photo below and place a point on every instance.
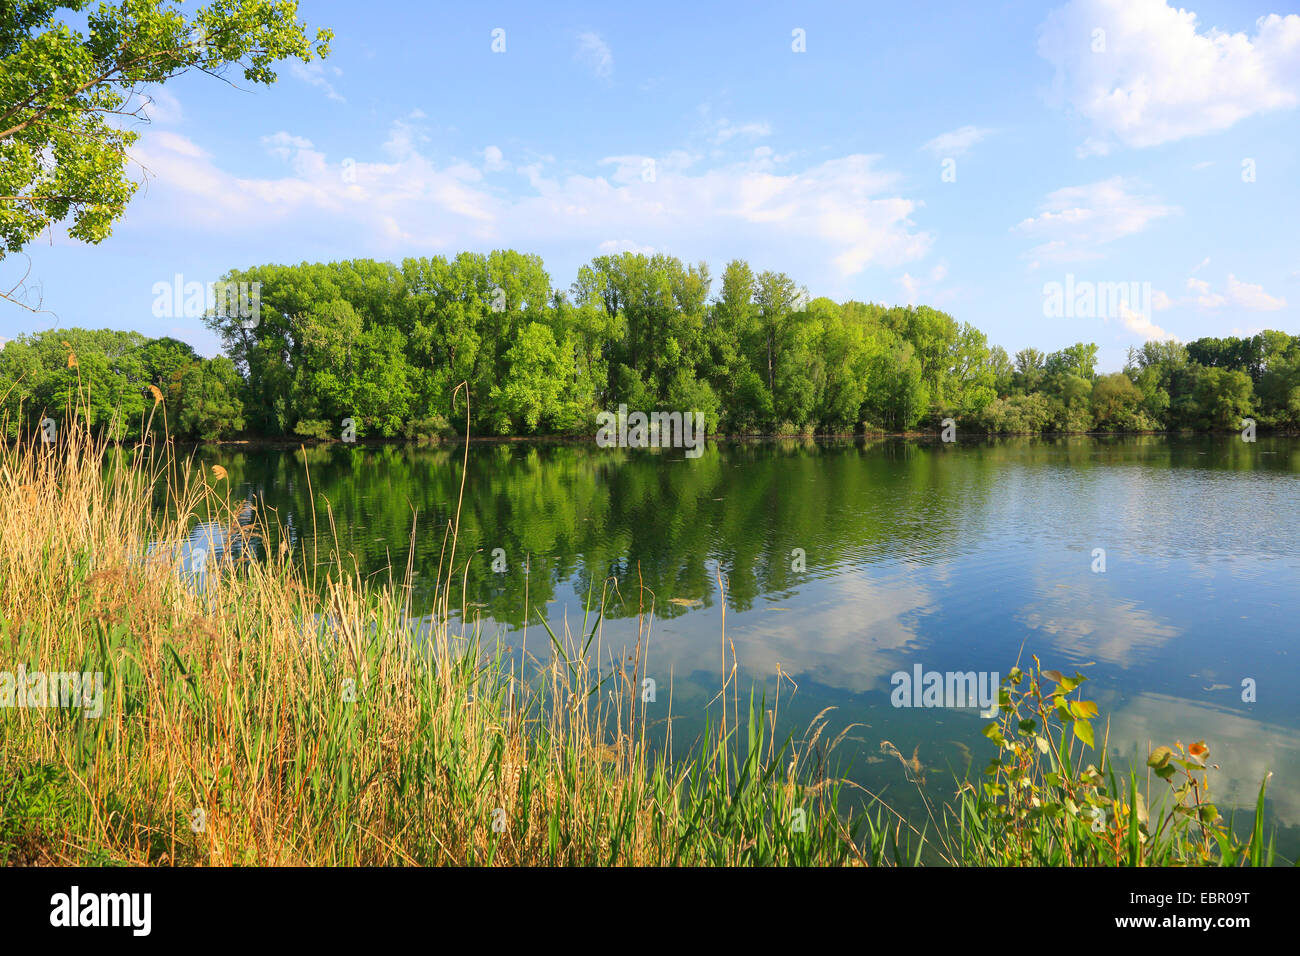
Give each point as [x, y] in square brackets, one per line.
[385, 345]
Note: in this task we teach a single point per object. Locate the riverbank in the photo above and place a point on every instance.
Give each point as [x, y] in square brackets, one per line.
[298, 441]
[266, 718]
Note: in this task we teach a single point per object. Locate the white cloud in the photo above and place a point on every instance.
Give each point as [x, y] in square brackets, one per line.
[613, 246]
[1074, 223]
[927, 288]
[176, 143]
[910, 288]
[595, 53]
[1243, 295]
[845, 211]
[283, 145]
[1140, 324]
[493, 160]
[1159, 78]
[1202, 295]
[405, 135]
[753, 130]
[956, 142]
[314, 73]
[1252, 297]
[162, 107]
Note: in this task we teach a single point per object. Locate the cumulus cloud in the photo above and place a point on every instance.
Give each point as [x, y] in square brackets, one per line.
[1201, 294]
[283, 145]
[1243, 295]
[911, 286]
[957, 142]
[317, 74]
[1140, 324]
[615, 246]
[405, 136]
[494, 160]
[726, 130]
[1074, 223]
[161, 106]
[596, 54]
[1252, 297]
[928, 289]
[845, 211]
[176, 143]
[1141, 72]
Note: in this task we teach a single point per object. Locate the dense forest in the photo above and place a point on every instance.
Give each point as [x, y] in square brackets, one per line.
[385, 346]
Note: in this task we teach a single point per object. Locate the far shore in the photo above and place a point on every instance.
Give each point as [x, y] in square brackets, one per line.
[933, 436]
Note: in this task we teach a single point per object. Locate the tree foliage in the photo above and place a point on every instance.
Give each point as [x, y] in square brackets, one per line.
[386, 345]
[65, 94]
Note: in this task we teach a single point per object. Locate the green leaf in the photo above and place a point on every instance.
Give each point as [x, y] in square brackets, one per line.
[1159, 757]
[1083, 730]
[1083, 708]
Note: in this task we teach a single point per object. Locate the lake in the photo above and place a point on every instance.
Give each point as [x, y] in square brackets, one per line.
[848, 562]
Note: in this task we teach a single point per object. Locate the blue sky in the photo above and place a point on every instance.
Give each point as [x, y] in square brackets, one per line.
[1161, 151]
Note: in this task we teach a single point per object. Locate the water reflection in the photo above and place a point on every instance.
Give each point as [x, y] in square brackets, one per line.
[956, 557]
[213, 543]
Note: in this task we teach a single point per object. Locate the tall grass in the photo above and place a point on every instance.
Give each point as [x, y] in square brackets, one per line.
[269, 718]
[284, 711]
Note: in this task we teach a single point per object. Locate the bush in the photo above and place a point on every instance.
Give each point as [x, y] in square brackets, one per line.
[315, 428]
[1042, 804]
[432, 428]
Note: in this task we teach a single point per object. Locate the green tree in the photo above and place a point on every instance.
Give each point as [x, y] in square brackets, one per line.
[65, 93]
[205, 395]
[1223, 397]
[1079, 360]
[1116, 401]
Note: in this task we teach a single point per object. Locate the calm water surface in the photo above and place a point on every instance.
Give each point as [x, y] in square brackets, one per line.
[958, 557]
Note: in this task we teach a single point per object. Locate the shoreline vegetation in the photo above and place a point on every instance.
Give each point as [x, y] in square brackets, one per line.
[263, 441]
[929, 436]
[372, 350]
[284, 711]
